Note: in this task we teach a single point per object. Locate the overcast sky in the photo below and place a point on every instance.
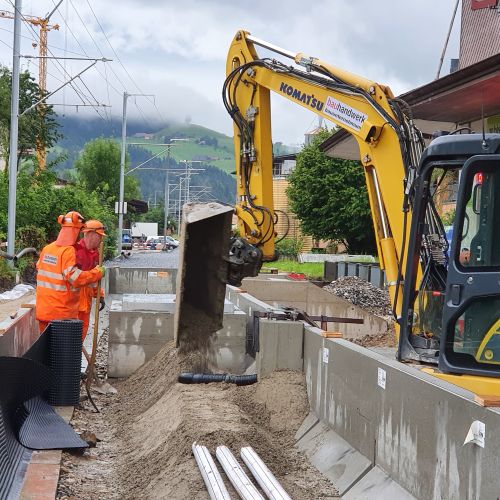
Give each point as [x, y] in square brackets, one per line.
[177, 50]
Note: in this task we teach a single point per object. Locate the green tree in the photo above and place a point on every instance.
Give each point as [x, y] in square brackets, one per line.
[40, 201]
[98, 169]
[329, 197]
[157, 214]
[38, 124]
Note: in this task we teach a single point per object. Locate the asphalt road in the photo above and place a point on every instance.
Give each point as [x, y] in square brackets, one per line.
[148, 258]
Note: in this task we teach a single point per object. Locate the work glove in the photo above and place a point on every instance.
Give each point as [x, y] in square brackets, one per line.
[102, 304]
[102, 269]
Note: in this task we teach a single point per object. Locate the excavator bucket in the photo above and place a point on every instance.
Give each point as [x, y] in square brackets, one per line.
[202, 275]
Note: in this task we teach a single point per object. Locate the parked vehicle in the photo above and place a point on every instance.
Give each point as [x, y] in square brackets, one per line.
[162, 243]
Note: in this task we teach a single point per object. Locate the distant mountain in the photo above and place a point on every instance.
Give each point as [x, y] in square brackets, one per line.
[207, 150]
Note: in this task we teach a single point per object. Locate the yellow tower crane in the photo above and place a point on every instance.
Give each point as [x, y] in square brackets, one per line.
[45, 27]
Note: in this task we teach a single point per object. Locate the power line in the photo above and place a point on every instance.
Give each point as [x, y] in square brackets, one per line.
[122, 65]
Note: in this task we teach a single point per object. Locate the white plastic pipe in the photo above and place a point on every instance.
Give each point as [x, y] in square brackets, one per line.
[213, 481]
[272, 488]
[241, 482]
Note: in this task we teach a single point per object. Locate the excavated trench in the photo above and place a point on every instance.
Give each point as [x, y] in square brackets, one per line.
[145, 432]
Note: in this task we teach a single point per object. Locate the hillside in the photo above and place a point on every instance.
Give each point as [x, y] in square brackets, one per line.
[205, 148]
[212, 149]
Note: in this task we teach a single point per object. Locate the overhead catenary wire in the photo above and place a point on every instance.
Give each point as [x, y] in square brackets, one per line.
[73, 85]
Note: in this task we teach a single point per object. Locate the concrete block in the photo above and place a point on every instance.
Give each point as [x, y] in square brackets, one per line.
[149, 302]
[125, 359]
[280, 345]
[377, 485]
[228, 349]
[334, 457]
[135, 337]
[141, 280]
[330, 271]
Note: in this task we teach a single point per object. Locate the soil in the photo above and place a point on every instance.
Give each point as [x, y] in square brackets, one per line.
[386, 339]
[147, 429]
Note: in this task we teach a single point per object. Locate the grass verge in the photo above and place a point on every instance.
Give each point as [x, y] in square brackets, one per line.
[312, 270]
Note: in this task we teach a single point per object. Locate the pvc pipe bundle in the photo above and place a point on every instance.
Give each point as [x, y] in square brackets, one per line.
[242, 484]
[272, 488]
[213, 480]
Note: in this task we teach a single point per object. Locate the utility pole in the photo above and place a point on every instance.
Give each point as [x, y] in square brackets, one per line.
[122, 174]
[122, 168]
[14, 117]
[166, 200]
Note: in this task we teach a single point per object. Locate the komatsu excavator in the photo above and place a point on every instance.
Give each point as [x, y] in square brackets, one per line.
[447, 307]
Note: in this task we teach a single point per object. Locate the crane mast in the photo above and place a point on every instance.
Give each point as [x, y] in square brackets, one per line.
[45, 27]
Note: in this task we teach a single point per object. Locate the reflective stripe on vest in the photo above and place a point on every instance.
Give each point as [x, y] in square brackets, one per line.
[49, 274]
[74, 276]
[52, 286]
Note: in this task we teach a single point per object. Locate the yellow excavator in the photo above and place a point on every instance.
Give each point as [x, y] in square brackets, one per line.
[445, 294]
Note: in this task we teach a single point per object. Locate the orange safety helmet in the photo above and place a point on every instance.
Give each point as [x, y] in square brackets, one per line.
[94, 225]
[72, 224]
[71, 219]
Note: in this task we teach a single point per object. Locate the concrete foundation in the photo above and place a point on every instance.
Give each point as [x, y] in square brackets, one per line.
[140, 324]
[303, 295]
[135, 336]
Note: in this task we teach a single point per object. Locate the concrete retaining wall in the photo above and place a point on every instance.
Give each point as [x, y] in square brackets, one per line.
[18, 335]
[409, 425]
[303, 295]
[142, 280]
[140, 324]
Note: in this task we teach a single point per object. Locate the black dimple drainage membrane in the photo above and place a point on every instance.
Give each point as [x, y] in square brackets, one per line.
[25, 417]
[65, 359]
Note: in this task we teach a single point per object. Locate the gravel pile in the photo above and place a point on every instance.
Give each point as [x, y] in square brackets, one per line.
[361, 293]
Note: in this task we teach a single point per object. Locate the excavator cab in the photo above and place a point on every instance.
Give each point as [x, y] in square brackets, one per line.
[471, 322]
[456, 296]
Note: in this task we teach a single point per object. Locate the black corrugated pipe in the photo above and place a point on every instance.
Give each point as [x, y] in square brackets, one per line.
[206, 378]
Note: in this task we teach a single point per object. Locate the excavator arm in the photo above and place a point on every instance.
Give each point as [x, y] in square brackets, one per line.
[390, 145]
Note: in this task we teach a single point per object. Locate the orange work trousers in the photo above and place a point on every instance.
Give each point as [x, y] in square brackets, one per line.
[85, 317]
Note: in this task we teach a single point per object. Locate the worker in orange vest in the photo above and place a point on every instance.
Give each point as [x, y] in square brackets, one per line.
[59, 279]
[87, 257]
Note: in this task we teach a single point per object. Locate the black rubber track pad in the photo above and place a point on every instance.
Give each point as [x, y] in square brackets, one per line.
[44, 429]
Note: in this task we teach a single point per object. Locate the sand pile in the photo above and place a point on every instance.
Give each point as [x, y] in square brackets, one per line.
[149, 428]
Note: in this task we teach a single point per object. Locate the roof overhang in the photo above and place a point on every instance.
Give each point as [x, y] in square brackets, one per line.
[461, 97]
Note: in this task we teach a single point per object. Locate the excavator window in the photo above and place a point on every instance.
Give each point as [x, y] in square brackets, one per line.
[480, 239]
[477, 253]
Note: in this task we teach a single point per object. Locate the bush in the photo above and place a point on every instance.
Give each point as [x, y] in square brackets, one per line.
[289, 248]
[7, 276]
[27, 237]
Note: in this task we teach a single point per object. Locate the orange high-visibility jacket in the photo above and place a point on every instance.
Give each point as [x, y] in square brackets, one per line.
[58, 283]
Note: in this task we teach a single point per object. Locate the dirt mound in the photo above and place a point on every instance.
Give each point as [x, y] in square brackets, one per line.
[149, 427]
[361, 293]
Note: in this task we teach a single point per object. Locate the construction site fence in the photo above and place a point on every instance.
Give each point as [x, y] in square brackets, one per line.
[368, 272]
